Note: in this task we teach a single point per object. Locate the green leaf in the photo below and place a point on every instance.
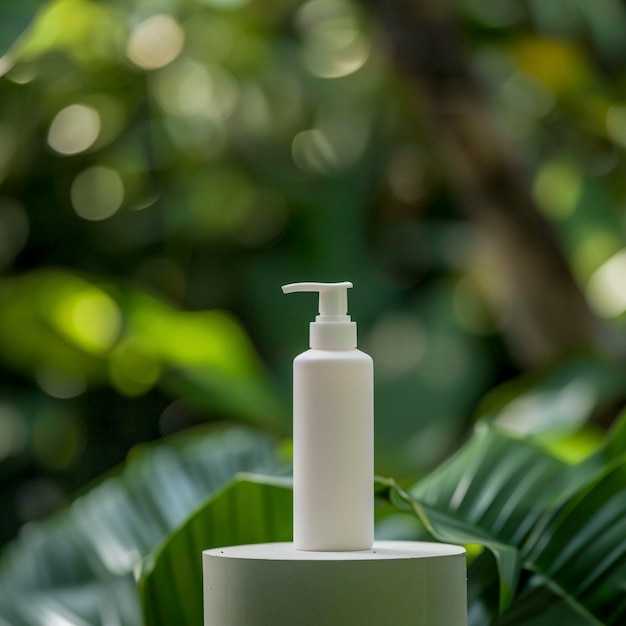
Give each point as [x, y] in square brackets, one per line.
[497, 483]
[539, 606]
[451, 529]
[491, 492]
[558, 532]
[580, 551]
[251, 509]
[78, 567]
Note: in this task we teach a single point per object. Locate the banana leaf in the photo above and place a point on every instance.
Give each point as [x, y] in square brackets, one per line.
[580, 549]
[566, 526]
[251, 509]
[491, 493]
[79, 567]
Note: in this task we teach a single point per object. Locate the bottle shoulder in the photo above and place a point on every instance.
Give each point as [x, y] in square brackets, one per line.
[333, 355]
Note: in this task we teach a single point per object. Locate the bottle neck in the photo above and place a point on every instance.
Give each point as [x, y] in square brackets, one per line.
[332, 335]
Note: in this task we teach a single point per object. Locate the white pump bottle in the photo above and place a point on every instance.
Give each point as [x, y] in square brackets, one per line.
[333, 415]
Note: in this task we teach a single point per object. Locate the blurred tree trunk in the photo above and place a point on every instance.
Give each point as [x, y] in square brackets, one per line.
[543, 312]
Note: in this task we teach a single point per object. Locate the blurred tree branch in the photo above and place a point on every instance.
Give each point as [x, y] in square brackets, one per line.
[544, 312]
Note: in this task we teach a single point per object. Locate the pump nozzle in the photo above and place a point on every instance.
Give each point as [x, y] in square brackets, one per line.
[332, 328]
[333, 305]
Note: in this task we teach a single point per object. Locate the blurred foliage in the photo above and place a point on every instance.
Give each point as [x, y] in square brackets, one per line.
[78, 567]
[165, 166]
[546, 537]
[251, 509]
[556, 530]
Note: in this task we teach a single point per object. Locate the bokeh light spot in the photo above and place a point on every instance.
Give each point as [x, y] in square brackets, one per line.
[112, 113]
[334, 45]
[155, 42]
[20, 74]
[97, 193]
[313, 152]
[90, 318]
[557, 189]
[594, 249]
[335, 144]
[605, 289]
[558, 63]
[190, 89]
[61, 384]
[74, 129]
[337, 63]
[397, 344]
[616, 124]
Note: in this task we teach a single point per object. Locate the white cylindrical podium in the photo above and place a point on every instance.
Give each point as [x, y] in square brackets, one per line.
[396, 583]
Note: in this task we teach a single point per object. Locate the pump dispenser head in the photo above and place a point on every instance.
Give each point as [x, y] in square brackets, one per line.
[332, 328]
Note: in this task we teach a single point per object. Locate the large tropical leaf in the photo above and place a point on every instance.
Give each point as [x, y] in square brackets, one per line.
[491, 493]
[580, 551]
[556, 531]
[78, 567]
[251, 509]
[537, 605]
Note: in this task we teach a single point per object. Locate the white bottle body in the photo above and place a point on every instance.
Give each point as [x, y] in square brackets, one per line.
[333, 413]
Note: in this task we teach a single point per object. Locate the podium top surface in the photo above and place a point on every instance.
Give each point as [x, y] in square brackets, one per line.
[380, 551]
